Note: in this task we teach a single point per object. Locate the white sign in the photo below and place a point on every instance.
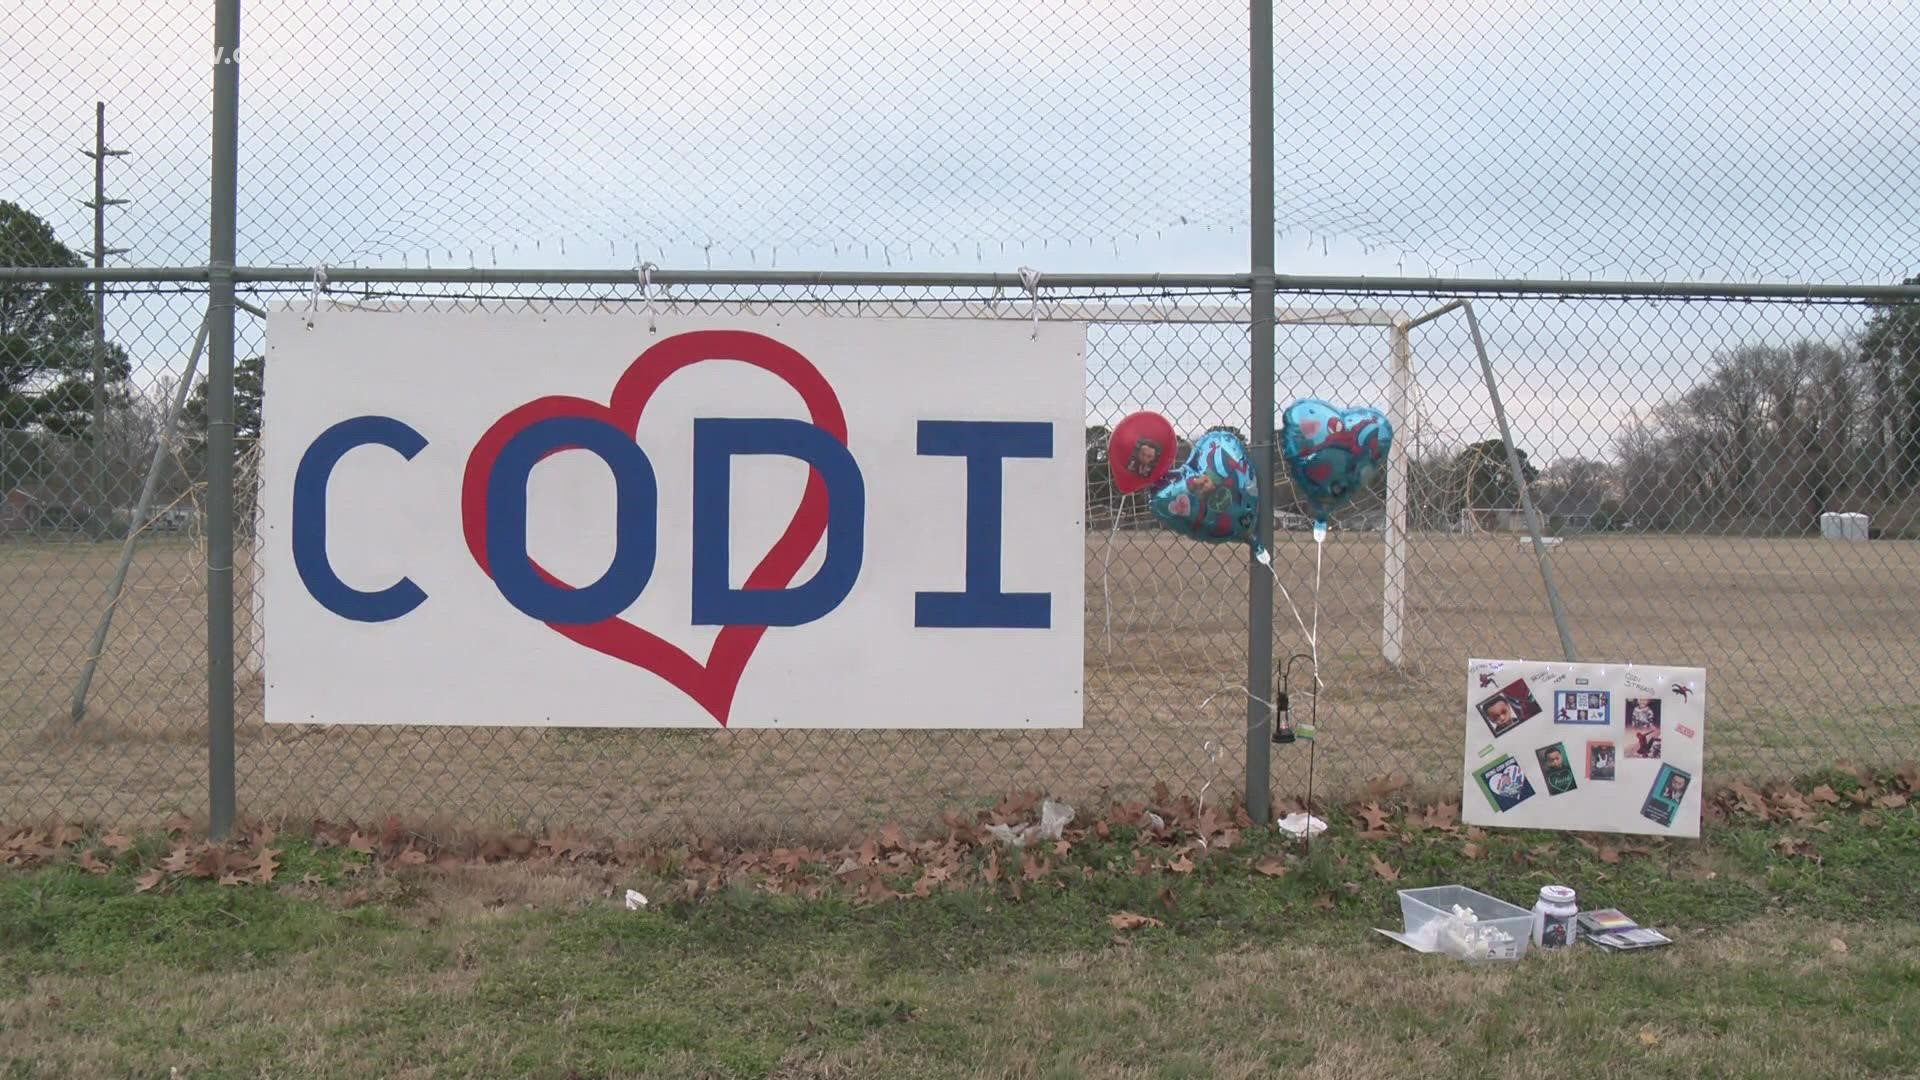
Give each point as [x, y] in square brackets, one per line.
[579, 520]
[1593, 747]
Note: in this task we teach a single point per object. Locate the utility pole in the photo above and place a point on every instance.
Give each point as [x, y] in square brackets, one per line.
[100, 202]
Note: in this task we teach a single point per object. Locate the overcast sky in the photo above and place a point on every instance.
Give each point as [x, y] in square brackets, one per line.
[1676, 139]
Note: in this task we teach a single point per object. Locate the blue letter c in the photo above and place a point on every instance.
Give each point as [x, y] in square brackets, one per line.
[310, 519]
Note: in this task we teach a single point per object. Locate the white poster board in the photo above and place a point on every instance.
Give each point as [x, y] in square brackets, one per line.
[1588, 747]
[584, 520]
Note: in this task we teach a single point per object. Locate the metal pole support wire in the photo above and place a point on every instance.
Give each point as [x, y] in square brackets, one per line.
[1526, 496]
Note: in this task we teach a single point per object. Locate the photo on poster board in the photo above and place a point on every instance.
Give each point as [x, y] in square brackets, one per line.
[1600, 759]
[1668, 792]
[1622, 749]
[1643, 723]
[1582, 707]
[1504, 783]
[1555, 768]
[1509, 707]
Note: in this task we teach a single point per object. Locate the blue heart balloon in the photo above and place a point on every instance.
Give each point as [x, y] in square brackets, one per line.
[1212, 496]
[1331, 453]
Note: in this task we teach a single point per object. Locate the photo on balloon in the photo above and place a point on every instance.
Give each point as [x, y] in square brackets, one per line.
[1143, 461]
[1140, 451]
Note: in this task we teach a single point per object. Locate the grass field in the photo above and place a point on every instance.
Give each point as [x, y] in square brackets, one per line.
[1796, 955]
[1810, 648]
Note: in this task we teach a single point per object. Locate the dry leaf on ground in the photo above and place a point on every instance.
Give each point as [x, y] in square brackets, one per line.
[1128, 920]
[1272, 867]
[1375, 817]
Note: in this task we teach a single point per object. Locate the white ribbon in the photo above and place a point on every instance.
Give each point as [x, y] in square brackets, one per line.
[646, 290]
[1030, 281]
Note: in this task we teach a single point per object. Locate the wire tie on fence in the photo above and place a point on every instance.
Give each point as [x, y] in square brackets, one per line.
[1030, 281]
[319, 286]
[646, 290]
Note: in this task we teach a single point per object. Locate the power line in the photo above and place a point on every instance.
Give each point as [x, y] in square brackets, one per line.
[99, 203]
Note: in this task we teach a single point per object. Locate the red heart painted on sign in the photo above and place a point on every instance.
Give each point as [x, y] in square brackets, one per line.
[710, 684]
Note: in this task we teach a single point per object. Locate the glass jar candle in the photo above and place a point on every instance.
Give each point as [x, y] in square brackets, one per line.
[1555, 918]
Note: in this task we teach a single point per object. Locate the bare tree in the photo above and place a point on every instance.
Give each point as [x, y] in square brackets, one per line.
[1766, 443]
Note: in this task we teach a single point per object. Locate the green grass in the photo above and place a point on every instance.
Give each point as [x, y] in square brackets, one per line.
[530, 970]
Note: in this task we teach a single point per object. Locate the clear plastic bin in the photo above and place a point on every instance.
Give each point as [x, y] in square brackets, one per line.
[1419, 907]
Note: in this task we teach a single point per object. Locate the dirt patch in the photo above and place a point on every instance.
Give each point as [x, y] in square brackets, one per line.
[1809, 647]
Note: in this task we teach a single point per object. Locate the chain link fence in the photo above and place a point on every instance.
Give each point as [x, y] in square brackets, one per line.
[1660, 140]
[1681, 453]
[1682, 448]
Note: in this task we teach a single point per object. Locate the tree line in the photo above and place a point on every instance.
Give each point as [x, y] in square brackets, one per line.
[1778, 434]
[71, 459]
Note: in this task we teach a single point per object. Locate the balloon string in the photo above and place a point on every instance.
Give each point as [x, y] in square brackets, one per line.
[1291, 606]
[1313, 639]
[1106, 562]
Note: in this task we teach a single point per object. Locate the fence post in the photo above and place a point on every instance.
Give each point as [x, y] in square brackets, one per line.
[220, 260]
[1260, 676]
[1393, 592]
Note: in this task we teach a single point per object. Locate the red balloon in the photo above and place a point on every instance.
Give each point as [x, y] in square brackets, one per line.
[1140, 451]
